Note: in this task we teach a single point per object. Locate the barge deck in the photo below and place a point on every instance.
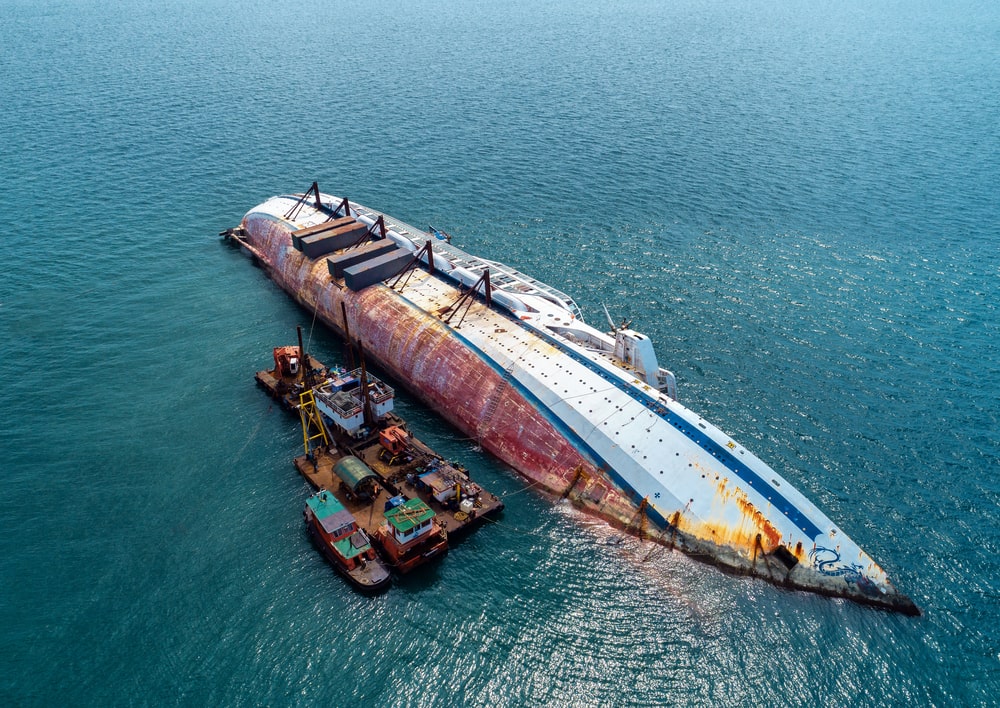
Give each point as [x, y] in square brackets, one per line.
[405, 466]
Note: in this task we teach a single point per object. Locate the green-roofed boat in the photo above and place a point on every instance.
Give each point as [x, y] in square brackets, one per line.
[411, 534]
[346, 545]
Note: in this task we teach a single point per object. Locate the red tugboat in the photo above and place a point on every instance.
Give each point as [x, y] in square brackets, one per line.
[411, 534]
[337, 534]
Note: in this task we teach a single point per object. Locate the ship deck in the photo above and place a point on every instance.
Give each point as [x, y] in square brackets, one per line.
[667, 462]
[502, 276]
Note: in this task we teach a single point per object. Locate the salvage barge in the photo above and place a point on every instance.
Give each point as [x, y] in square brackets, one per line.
[584, 414]
[358, 447]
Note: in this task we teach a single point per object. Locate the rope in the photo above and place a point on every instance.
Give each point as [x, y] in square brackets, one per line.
[523, 532]
[523, 489]
[616, 540]
[309, 340]
[253, 434]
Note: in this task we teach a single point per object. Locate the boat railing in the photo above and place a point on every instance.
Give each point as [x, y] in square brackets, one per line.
[502, 276]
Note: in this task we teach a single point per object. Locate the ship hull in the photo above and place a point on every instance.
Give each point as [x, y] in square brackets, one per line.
[492, 378]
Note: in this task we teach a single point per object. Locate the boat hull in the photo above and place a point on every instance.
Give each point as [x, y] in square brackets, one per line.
[408, 560]
[371, 578]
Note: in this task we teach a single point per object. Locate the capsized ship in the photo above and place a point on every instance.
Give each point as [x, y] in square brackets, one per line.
[585, 414]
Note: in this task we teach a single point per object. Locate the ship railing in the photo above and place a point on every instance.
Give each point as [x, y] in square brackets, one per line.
[501, 276]
[345, 404]
[343, 411]
[378, 390]
[534, 287]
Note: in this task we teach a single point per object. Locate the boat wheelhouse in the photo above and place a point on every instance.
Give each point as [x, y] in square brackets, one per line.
[411, 534]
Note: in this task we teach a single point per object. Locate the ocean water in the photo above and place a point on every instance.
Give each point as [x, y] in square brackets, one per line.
[797, 201]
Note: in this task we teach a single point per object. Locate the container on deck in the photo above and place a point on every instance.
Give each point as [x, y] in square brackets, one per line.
[337, 263]
[356, 476]
[361, 275]
[297, 236]
[325, 242]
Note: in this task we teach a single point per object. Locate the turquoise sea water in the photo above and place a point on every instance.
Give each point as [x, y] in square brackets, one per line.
[797, 201]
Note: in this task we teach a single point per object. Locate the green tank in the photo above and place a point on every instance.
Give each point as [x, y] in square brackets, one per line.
[356, 475]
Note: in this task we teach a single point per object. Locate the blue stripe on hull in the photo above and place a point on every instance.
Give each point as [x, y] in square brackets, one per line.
[701, 439]
[558, 423]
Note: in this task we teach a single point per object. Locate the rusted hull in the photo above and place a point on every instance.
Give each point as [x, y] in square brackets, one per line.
[371, 578]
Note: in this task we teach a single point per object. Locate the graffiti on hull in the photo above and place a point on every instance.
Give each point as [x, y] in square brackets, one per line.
[826, 561]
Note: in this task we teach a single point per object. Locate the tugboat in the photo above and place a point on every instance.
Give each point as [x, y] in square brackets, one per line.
[376, 483]
[411, 534]
[346, 545]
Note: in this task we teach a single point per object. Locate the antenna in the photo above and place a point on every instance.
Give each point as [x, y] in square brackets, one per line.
[626, 322]
[611, 322]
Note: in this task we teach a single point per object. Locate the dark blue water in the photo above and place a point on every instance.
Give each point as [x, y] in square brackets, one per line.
[797, 201]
